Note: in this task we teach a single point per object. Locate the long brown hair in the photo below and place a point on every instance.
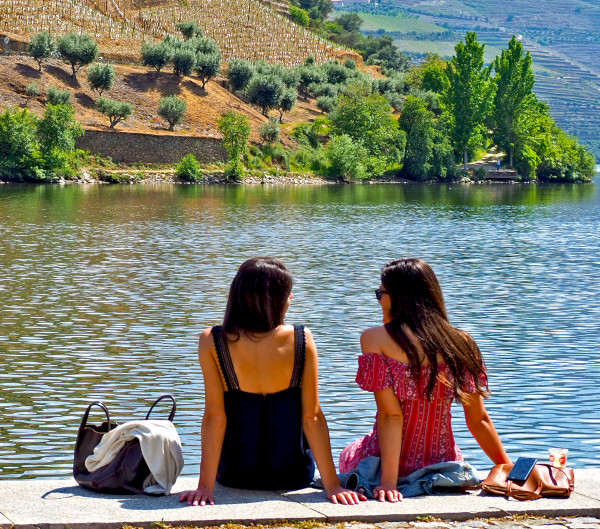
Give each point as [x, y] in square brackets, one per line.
[258, 296]
[420, 326]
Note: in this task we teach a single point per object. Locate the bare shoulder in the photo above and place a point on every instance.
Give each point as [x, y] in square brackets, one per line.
[373, 339]
[206, 344]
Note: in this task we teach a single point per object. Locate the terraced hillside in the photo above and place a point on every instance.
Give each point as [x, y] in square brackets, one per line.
[563, 37]
[251, 29]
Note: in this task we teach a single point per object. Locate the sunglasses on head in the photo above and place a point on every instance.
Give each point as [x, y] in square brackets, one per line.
[379, 292]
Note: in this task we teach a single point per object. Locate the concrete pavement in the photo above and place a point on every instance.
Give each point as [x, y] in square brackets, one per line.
[58, 504]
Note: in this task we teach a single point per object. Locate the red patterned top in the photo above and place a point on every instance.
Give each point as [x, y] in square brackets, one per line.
[427, 431]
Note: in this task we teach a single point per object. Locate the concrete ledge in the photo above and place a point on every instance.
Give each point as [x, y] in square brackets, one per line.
[58, 504]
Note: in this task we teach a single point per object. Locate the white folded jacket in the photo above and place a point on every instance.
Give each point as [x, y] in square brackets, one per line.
[161, 448]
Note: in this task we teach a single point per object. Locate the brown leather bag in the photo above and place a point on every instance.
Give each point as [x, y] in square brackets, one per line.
[544, 481]
[126, 473]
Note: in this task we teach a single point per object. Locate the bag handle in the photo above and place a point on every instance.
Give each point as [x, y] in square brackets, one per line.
[173, 408]
[523, 495]
[100, 404]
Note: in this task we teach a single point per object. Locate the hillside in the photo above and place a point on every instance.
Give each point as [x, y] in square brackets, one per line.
[251, 30]
[563, 37]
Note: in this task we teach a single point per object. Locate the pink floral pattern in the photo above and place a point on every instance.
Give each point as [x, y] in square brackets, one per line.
[427, 436]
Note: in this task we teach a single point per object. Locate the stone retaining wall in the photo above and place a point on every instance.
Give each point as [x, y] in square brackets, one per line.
[131, 147]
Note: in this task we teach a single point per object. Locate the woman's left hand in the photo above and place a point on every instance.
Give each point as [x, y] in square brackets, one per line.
[345, 496]
[391, 494]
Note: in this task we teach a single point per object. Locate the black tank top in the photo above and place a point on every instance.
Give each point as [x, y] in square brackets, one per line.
[264, 446]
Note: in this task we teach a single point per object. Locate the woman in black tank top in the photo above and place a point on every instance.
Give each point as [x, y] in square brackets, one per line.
[262, 409]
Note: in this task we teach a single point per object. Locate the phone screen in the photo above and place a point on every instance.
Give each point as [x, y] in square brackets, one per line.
[522, 469]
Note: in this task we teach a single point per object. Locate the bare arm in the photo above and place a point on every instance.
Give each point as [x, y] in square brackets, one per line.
[317, 432]
[390, 421]
[389, 429]
[482, 428]
[214, 422]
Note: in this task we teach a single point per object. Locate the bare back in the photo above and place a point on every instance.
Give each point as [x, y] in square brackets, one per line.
[263, 363]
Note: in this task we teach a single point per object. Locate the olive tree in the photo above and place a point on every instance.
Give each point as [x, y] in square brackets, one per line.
[116, 111]
[207, 66]
[41, 47]
[101, 77]
[239, 73]
[172, 109]
[77, 50]
[156, 55]
[265, 91]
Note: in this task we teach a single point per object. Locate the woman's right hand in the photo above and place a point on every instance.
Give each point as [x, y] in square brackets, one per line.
[387, 493]
[201, 496]
[344, 496]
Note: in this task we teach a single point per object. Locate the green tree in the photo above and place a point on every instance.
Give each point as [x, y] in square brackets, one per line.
[236, 132]
[287, 102]
[419, 125]
[101, 77]
[57, 132]
[208, 65]
[189, 29]
[77, 50]
[367, 119]
[325, 104]
[19, 148]
[156, 55]
[469, 96]
[239, 73]
[514, 81]
[265, 91]
[430, 76]
[41, 47]
[184, 60]
[172, 109]
[346, 158]
[299, 15]
[349, 21]
[116, 111]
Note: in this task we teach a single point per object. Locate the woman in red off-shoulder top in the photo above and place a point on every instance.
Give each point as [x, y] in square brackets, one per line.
[416, 364]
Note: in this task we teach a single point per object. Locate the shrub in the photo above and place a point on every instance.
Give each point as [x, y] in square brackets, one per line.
[101, 77]
[326, 104]
[236, 132]
[77, 50]
[188, 169]
[239, 73]
[346, 158]
[350, 64]
[58, 97]
[184, 60]
[324, 89]
[336, 73]
[395, 99]
[270, 132]
[172, 109]
[265, 91]
[299, 15]
[156, 55]
[116, 111]
[189, 29]
[207, 66]
[41, 47]
[31, 90]
[310, 75]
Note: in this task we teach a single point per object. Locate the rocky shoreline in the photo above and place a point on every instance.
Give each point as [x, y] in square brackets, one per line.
[145, 176]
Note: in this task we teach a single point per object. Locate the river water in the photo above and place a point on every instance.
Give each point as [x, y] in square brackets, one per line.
[104, 289]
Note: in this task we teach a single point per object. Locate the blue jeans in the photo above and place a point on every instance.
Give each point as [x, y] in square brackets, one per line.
[450, 476]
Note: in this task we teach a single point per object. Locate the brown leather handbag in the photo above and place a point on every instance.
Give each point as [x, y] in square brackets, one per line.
[545, 481]
[126, 473]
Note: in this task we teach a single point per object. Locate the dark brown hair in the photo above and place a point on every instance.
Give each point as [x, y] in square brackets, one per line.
[258, 296]
[420, 326]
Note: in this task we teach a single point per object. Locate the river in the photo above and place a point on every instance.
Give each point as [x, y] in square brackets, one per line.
[104, 289]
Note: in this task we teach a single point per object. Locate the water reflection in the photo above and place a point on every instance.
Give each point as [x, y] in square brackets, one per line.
[103, 290]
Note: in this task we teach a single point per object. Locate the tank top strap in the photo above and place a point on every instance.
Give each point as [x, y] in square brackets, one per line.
[299, 356]
[224, 357]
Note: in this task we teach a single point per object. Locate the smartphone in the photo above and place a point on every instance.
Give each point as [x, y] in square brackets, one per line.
[522, 468]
